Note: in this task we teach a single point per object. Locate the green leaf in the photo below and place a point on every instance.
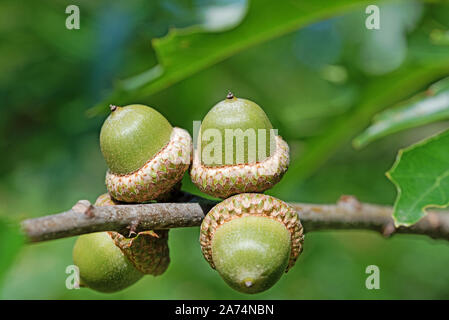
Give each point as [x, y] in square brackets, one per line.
[11, 240]
[421, 176]
[184, 52]
[427, 107]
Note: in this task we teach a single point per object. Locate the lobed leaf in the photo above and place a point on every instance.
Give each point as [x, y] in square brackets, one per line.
[421, 176]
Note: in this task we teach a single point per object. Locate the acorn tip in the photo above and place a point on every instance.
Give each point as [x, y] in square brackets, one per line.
[230, 95]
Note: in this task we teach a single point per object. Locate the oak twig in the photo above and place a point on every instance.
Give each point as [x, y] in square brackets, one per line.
[189, 211]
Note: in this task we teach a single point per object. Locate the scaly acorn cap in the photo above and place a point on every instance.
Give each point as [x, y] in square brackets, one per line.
[225, 179]
[148, 250]
[251, 239]
[158, 176]
[145, 155]
[105, 200]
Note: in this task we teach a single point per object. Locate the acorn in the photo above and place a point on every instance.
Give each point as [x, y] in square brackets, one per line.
[145, 155]
[109, 262]
[238, 150]
[251, 240]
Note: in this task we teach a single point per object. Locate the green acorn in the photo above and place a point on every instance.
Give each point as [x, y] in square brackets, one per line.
[103, 266]
[109, 262]
[251, 240]
[145, 155]
[238, 151]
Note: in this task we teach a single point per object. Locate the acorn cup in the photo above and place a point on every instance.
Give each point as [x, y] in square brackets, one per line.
[145, 155]
[225, 168]
[251, 240]
[109, 262]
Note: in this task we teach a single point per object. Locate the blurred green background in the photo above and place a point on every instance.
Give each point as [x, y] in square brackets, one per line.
[320, 85]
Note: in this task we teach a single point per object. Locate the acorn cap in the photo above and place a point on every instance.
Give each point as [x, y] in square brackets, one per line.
[148, 251]
[228, 180]
[105, 200]
[158, 175]
[252, 204]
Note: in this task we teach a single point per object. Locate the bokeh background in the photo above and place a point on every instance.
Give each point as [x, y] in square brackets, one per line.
[320, 85]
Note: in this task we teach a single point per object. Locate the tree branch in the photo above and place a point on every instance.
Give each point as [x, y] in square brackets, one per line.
[189, 211]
